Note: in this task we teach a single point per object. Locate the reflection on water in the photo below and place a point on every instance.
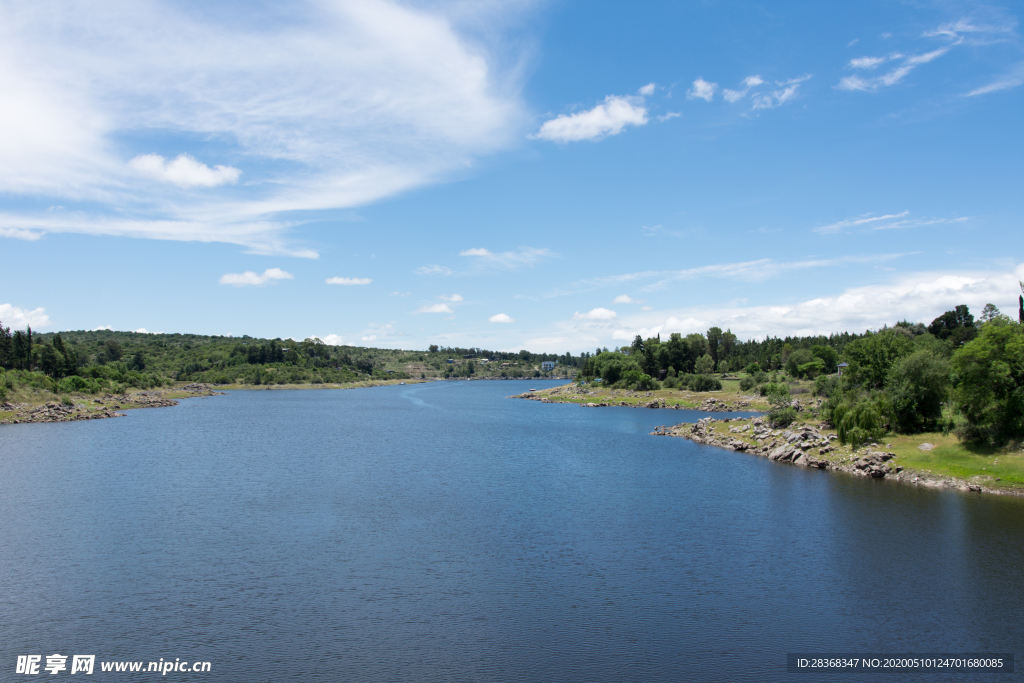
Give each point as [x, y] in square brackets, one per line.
[444, 532]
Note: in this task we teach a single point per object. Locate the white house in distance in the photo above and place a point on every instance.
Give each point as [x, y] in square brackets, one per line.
[547, 365]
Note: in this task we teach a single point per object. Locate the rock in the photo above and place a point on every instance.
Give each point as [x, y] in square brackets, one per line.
[925, 447]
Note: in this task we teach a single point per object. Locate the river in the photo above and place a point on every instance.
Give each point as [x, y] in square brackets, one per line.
[443, 532]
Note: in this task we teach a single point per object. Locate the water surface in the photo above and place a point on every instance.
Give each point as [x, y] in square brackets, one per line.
[444, 532]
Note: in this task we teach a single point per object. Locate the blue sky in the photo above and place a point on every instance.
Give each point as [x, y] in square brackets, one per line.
[554, 176]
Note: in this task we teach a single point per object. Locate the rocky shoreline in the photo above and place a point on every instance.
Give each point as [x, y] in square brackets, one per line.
[568, 394]
[808, 446]
[97, 408]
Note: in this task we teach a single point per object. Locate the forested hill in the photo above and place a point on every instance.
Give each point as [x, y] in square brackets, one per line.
[109, 359]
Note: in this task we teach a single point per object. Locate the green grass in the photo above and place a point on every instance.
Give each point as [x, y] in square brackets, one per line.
[976, 462]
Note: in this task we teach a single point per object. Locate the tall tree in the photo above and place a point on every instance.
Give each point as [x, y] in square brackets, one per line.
[28, 347]
[714, 342]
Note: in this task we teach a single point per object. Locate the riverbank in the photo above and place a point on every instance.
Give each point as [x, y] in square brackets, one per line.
[932, 460]
[730, 399]
[43, 407]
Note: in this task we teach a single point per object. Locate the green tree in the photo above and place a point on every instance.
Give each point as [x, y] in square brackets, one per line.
[113, 350]
[988, 377]
[796, 359]
[433, 348]
[705, 365]
[714, 343]
[918, 385]
[828, 356]
[872, 357]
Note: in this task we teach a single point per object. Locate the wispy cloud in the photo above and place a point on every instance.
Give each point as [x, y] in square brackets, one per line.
[348, 280]
[501, 318]
[19, 318]
[626, 299]
[524, 257]
[269, 276]
[893, 221]
[1012, 79]
[607, 118]
[326, 105]
[786, 92]
[748, 83]
[702, 90]
[745, 271]
[865, 219]
[433, 270]
[454, 298]
[647, 90]
[891, 77]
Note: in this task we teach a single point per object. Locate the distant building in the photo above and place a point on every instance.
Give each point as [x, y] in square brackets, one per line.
[547, 365]
[841, 366]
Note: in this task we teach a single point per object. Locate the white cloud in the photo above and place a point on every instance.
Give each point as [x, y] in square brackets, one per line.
[744, 271]
[526, 256]
[102, 327]
[595, 314]
[500, 318]
[20, 318]
[647, 90]
[142, 330]
[626, 299]
[647, 308]
[400, 293]
[889, 78]
[737, 95]
[454, 298]
[668, 116]
[872, 62]
[433, 270]
[435, 308]
[369, 338]
[702, 90]
[332, 339]
[780, 96]
[251, 278]
[19, 234]
[915, 297]
[891, 221]
[1011, 80]
[348, 280]
[336, 104]
[608, 118]
[184, 171]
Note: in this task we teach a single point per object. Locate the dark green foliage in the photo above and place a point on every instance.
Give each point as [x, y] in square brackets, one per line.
[873, 356]
[860, 421]
[824, 385]
[747, 383]
[988, 376]
[783, 417]
[917, 388]
[704, 383]
[828, 356]
[796, 359]
[957, 324]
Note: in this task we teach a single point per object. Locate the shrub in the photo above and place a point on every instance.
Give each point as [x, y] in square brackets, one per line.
[66, 400]
[705, 383]
[824, 385]
[670, 382]
[81, 385]
[753, 368]
[783, 417]
[747, 383]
